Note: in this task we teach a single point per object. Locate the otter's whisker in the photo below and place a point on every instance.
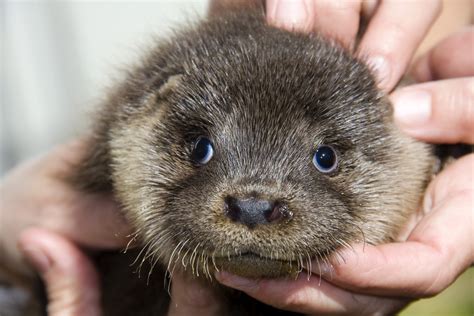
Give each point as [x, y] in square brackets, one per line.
[167, 281]
[183, 260]
[309, 265]
[140, 253]
[170, 260]
[194, 265]
[155, 261]
[213, 257]
[133, 237]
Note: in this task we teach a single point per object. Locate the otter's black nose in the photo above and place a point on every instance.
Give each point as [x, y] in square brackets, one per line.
[252, 212]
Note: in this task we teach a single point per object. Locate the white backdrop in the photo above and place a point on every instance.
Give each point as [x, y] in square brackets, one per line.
[58, 57]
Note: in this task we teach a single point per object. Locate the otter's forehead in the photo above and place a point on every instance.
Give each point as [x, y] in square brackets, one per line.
[256, 85]
[265, 76]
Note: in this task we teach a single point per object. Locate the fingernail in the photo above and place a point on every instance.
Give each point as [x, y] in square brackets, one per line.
[37, 259]
[289, 14]
[412, 108]
[234, 281]
[382, 69]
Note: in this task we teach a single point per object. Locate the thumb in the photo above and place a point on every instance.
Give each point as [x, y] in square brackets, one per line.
[439, 111]
[70, 277]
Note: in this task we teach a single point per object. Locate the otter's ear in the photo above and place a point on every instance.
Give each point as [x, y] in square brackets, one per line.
[170, 85]
[93, 173]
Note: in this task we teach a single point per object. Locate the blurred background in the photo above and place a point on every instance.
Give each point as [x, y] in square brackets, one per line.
[58, 57]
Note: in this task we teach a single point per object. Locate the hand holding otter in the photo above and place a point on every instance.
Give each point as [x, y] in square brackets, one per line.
[387, 277]
[37, 194]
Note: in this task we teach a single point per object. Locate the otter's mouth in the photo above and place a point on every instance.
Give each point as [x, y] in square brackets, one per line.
[252, 265]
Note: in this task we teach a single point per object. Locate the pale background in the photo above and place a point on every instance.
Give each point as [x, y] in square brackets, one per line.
[57, 58]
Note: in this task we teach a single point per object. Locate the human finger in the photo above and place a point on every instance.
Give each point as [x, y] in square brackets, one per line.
[190, 296]
[368, 8]
[441, 111]
[310, 15]
[70, 277]
[311, 296]
[38, 193]
[90, 219]
[451, 58]
[438, 250]
[392, 37]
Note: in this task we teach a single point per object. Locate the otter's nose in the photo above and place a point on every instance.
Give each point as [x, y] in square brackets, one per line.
[252, 212]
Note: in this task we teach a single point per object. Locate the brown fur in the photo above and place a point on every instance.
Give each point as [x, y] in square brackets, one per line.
[267, 98]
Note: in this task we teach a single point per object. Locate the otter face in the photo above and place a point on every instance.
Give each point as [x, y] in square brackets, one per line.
[261, 154]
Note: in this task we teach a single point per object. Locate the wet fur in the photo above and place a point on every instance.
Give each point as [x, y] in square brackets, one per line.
[267, 98]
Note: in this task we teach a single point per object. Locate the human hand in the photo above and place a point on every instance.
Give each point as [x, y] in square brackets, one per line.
[385, 278]
[38, 194]
[71, 280]
[388, 43]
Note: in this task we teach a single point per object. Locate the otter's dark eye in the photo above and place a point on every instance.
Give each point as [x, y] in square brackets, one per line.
[202, 151]
[325, 159]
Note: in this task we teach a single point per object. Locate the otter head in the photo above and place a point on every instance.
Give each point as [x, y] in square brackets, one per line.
[246, 148]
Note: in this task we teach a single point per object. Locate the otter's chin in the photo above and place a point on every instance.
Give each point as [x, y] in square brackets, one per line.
[253, 266]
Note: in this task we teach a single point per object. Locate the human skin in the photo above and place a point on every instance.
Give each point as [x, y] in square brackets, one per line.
[38, 194]
[45, 220]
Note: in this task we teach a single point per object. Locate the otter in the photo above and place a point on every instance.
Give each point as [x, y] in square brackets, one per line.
[238, 146]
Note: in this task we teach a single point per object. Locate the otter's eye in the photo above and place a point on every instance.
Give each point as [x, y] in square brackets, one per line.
[325, 159]
[202, 151]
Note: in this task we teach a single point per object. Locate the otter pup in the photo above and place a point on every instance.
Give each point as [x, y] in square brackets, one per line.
[239, 146]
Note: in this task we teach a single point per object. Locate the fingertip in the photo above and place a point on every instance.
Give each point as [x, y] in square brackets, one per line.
[439, 112]
[61, 253]
[411, 107]
[56, 257]
[290, 15]
[344, 263]
[36, 257]
[70, 277]
[271, 8]
[30, 245]
[380, 64]
[392, 37]
[317, 16]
